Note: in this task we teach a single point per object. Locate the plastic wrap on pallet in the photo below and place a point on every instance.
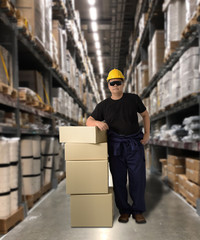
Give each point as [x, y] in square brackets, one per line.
[48, 26]
[5, 205]
[176, 21]
[31, 184]
[47, 146]
[157, 51]
[4, 149]
[167, 88]
[13, 200]
[142, 77]
[6, 62]
[153, 101]
[5, 179]
[176, 83]
[189, 71]
[191, 7]
[150, 61]
[33, 11]
[160, 95]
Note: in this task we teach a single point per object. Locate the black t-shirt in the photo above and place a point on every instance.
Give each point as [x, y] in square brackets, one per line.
[120, 115]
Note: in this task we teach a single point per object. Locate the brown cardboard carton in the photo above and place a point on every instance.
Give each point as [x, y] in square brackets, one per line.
[193, 164]
[82, 134]
[87, 177]
[193, 175]
[92, 210]
[179, 169]
[86, 151]
[175, 160]
[172, 177]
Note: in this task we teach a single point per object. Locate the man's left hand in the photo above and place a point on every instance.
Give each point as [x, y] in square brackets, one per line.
[145, 139]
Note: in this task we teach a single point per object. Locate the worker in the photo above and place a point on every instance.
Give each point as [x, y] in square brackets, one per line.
[118, 115]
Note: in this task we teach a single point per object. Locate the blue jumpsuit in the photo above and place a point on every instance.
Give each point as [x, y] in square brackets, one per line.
[126, 154]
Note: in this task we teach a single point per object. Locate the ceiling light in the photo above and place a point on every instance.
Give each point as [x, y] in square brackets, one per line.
[97, 45]
[96, 36]
[98, 52]
[93, 13]
[94, 26]
[91, 2]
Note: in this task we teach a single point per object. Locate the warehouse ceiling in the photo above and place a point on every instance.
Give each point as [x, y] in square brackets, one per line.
[115, 19]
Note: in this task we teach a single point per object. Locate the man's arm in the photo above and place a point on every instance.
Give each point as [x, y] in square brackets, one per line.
[101, 125]
[146, 120]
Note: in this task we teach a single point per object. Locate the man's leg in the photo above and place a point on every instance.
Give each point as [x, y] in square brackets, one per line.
[118, 170]
[137, 179]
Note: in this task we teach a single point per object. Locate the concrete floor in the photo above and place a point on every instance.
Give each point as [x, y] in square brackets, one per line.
[168, 218]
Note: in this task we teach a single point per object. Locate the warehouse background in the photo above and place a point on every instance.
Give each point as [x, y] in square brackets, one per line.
[54, 58]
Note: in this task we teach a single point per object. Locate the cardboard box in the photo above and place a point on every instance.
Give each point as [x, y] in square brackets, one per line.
[179, 169]
[182, 179]
[86, 151]
[172, 177]
[193, 164]
[92, 210]
[82, 134]
[175, 160]
[87, 177]
[193, 188]
[193, 175]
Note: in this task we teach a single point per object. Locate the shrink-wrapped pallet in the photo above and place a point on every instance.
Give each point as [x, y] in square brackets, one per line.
[167, 88]
[176, 83]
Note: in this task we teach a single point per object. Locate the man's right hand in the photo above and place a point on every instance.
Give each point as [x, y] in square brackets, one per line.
[102, 125]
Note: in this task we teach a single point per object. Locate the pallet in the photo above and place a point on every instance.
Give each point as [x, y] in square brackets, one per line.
[32, 199]
[26, 98]
[37, 104]
[9, 9]
[47, 108]
[8, 90]
[11, 221]
[46, 188]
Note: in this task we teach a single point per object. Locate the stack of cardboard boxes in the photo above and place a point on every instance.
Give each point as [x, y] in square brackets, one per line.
[175, 166]
[87, 176]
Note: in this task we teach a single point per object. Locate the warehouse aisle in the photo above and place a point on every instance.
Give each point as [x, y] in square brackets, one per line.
[168, 218]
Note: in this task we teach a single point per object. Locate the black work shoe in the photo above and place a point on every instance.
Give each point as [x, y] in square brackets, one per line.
[139, 218]
[124, 218]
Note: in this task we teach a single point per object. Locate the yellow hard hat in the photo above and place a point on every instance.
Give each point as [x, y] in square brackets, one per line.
[115, 73]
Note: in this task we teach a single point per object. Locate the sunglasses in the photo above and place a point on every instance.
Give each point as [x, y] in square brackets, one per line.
[118, 83]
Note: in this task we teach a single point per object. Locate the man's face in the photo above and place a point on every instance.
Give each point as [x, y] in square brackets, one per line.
[116, 86]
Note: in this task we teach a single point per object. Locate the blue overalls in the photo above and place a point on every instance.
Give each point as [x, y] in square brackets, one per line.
[126, 153]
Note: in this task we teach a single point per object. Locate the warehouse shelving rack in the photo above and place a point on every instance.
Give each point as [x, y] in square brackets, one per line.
[175, 113]
[27, 55]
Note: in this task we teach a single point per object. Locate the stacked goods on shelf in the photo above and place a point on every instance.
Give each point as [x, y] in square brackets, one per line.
[175, 166]
[63, 103]
[6, 69]
[143, 77]
[182, 81]
[61, 42]
[142, 24]
[156, 53]
[191, 7]
[87, 176]
[176, 83]
[31, 165]
[47, 152]
[189, 72]
[193, 182]
[59, 159]
[9, 176]
[48, 27]
[182, 184]
[153, 102]
[34, 12]
[7, 118]
[176, 21]
[164, 167]
[88, 100]
[71, 70]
